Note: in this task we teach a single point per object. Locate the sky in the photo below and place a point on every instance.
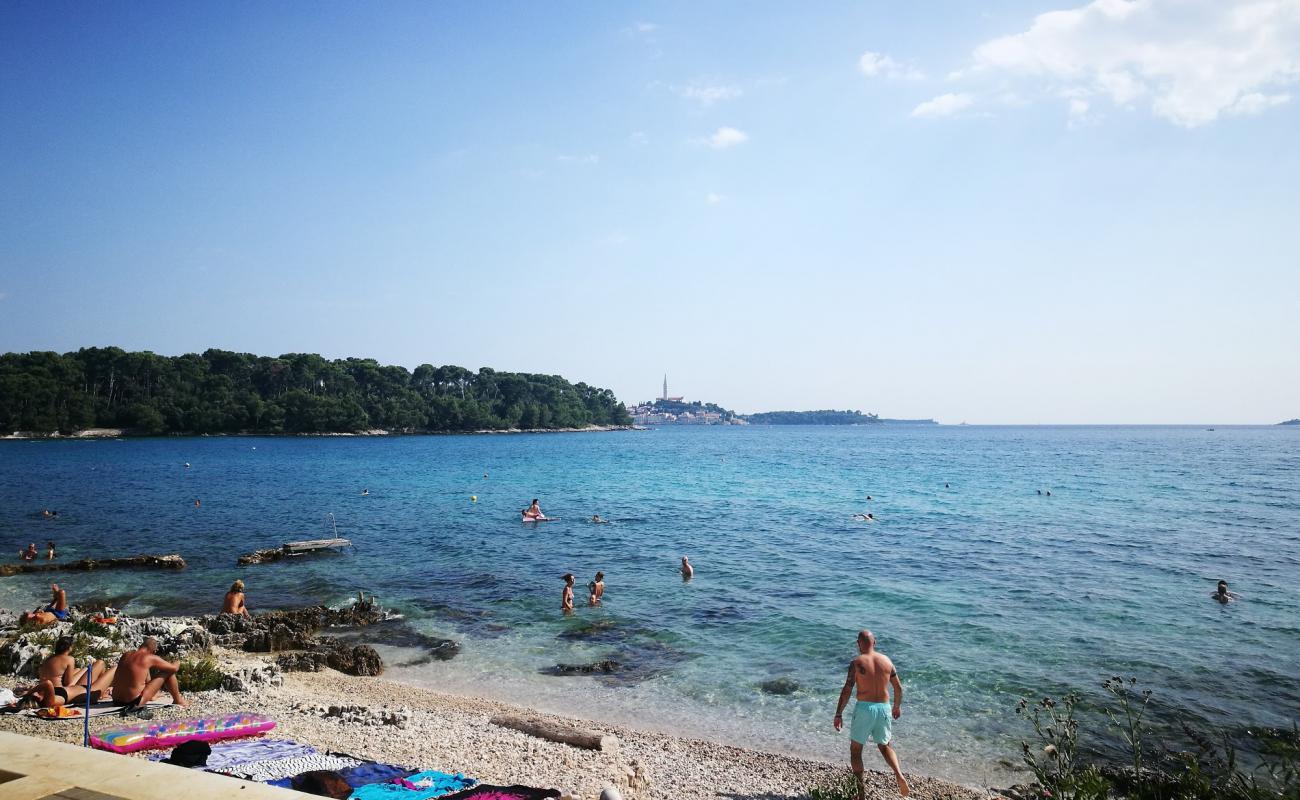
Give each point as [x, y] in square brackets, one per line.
[993, 212]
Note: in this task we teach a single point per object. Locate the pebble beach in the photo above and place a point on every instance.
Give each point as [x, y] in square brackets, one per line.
[374, 718]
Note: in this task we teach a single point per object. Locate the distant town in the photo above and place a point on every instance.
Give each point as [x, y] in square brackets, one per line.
[675, 410]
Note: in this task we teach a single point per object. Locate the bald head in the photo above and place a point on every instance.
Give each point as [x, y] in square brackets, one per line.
[866, 641]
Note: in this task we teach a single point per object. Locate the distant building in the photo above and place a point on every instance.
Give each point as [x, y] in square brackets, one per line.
[665, 396]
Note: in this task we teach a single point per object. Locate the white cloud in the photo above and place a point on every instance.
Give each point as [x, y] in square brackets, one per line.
[638, 138]
[588, 158]
[706, 93]
[712, 198]
[645, 27]
[1255, 103]
[878, 65]
[945, 105]
[725, 137]
[1191, 61]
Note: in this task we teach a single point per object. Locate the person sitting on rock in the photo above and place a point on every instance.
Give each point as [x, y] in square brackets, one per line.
[234, 602]
[135, 682]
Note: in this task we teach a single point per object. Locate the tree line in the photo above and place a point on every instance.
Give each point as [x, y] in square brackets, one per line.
[224, 392]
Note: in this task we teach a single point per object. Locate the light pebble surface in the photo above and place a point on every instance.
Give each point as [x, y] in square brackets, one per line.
[452, 733]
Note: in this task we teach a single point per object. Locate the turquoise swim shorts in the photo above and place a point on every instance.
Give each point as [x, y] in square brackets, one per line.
[871, 722]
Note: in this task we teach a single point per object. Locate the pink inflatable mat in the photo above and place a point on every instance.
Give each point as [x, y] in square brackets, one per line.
[169, 733]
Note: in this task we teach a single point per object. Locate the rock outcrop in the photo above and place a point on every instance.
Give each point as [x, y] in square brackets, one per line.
[86, 564]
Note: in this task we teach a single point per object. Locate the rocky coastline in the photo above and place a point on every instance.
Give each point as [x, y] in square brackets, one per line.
[316, 672]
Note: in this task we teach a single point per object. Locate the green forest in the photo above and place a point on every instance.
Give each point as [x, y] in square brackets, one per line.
[224, 392]
[826, 417]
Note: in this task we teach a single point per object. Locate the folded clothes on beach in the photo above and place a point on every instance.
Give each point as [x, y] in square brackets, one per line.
[420, 786]
[368, 772]
[232, 755]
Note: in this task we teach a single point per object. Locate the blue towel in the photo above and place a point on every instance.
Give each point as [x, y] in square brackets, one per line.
[369, 772]
[439, 783]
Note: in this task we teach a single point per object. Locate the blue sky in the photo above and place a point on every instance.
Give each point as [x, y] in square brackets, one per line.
[972, 211]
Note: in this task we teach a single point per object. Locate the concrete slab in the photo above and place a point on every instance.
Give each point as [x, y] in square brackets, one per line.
[56, 770]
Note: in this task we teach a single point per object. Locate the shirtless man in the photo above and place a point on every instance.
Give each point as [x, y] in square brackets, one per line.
[872, 674]
[566, 599]
[596, 589]
[133, 685]
[234, 602]
[688, 571]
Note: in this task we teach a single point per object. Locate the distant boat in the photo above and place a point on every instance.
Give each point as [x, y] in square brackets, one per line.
[1209, 429]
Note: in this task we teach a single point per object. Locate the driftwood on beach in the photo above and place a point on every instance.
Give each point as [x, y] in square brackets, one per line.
[559, 732]
[172, 561]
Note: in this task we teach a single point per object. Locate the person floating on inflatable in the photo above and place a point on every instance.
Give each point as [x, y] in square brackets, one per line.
[533, 513]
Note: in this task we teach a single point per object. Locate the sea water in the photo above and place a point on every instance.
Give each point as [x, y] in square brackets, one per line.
[979, 587]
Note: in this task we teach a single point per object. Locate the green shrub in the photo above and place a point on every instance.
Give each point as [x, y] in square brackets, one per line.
[1156, 770]
[199, 675]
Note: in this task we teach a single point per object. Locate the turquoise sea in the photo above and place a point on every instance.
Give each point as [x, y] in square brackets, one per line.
[980, 589]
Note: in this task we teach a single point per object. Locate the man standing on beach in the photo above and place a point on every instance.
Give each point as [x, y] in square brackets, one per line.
[871, 673]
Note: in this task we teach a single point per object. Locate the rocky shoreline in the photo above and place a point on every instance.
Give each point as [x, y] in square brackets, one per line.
[291, 666]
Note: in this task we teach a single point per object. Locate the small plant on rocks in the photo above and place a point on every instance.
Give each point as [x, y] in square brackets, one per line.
[199, 675]
[842, 786]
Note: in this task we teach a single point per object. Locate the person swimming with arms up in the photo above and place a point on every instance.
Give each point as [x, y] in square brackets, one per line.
[868, 517]
[1222, 595]
[29, 554]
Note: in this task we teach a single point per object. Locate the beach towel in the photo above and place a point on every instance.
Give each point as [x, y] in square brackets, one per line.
[487, 792]
[368, 772]
[103, 709]
[276, 768]
[231, 755]
[420, 786]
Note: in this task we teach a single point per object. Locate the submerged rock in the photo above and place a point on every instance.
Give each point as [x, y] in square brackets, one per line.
[780, 686]
[603, 667]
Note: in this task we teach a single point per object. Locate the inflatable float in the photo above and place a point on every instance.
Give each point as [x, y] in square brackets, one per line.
[169, 733]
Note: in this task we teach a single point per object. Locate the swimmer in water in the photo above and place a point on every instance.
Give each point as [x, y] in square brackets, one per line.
[688, 571]
[596, 518]
[365, 492]
[187, 465]
[596, 589]
[49, 551]
[864, 517]
[197, 503]
[29, 554]
[1222, 594]
[566, 597]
